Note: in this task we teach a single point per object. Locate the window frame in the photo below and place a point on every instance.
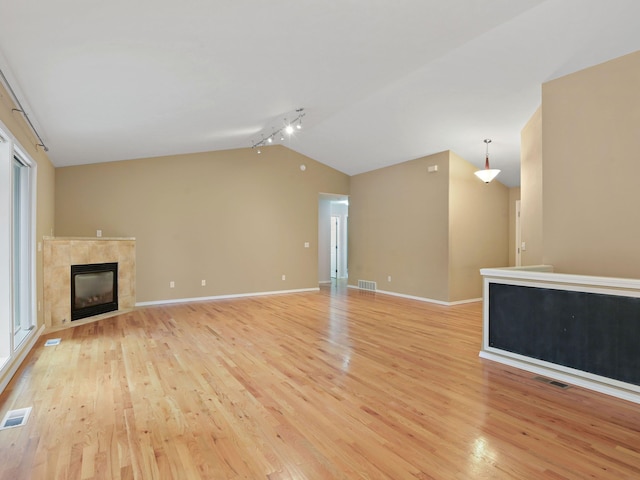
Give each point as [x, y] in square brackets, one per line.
[10, 344]
[24, 306]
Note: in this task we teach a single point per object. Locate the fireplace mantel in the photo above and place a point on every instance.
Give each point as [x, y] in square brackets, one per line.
[62, 252]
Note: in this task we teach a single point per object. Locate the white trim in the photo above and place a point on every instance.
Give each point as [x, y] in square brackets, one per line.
[19, 355]
[518, 235]
[18, 150]
[28, 254]
[579, 379]
[224, 297]
[562, 370]
[544, 273]
[6, 277]
[420, 299]
[463, 302]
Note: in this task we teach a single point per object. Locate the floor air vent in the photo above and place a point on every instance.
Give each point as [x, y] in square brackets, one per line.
[367, 285]
[15, 418]
[555, 383]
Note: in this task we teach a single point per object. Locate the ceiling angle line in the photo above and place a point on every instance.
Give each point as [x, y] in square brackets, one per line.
[22, 111]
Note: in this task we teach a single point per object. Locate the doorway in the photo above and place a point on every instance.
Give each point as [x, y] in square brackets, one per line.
[332, 237]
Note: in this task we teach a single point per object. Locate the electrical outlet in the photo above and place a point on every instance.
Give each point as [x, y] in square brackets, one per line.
[284, 277]
[389, 278]
[172, 284]
[98, 233]
[306, 244]
[203, 283]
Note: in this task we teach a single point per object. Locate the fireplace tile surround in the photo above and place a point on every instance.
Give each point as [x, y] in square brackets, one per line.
[59, 253]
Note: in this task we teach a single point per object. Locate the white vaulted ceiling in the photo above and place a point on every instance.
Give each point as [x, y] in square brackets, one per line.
[381, 82]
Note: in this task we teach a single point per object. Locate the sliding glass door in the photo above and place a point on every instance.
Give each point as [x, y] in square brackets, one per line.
[21, 265]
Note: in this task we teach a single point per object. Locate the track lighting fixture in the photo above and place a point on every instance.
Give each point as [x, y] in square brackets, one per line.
[288, 128]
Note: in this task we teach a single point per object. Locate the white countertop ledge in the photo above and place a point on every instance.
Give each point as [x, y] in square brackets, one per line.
[545, 273]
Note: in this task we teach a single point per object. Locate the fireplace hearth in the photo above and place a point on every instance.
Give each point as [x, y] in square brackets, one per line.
[94, 289]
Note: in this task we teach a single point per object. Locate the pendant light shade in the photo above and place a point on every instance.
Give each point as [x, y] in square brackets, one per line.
[488, 173]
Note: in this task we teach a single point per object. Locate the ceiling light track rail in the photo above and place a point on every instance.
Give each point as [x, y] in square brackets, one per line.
[288, 128]
[22, 111]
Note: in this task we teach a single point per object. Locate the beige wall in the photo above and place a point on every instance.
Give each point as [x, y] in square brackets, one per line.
[514, 196]
[398, 226]
[591, 132]
[234, 218]
[478, 228]
[431, 232]
[531, 190]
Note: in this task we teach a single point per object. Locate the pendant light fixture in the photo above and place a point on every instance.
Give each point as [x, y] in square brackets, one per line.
[487, 174]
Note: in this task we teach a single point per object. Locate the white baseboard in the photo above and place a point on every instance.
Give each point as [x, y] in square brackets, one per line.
[462, 302]
[421, 299]
[224, 297]
[578, 379]
[22, 353]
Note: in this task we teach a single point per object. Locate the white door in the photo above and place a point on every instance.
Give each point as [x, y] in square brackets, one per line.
[518, 236]
[335, 232]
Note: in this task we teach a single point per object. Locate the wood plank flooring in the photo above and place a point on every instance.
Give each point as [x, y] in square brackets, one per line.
[330, 385]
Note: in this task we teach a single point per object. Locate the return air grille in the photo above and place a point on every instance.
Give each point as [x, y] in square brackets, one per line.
[555, 383]
[367, 285]
[15, 418]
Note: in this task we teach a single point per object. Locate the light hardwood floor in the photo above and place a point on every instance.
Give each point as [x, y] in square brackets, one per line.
[330, 385]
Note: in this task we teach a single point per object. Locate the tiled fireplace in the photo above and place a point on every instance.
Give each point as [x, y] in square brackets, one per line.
[61, 253]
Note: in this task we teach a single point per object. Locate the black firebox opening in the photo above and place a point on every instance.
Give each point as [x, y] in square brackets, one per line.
[94, 289]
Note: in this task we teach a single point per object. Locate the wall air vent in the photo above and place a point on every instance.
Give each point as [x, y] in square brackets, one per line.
[367, 285]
